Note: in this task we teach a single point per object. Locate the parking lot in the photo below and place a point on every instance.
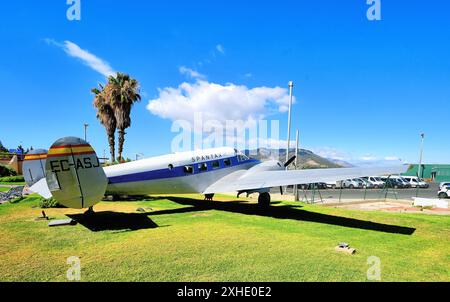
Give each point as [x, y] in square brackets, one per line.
[333, 195]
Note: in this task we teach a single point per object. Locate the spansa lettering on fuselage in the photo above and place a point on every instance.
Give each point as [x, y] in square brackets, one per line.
[205, 157]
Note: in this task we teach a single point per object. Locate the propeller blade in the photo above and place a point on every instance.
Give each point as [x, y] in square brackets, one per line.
[281, 190]
[290, 161]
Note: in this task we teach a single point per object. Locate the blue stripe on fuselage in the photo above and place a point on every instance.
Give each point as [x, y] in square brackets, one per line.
[177, 171]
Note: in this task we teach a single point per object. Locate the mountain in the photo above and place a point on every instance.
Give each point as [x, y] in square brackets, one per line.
[307, 159]
[341, 163]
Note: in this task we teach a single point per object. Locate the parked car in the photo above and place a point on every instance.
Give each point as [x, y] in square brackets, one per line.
[442, 185]
[444, 192]
[352, 184]
[415, 182]
[396, 183]
[333, 185]
[406, 184]
[376, 182]
[317, 186]
[366, 184]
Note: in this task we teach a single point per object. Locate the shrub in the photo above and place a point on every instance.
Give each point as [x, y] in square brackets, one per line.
[48, 203]
[6, 171]
[12, 179]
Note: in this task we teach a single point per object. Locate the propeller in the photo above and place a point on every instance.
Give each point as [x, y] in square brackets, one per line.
[290, 161]
[286, 164]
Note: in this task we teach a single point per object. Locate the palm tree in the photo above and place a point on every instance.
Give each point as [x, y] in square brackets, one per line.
[122, 92]
[106, 116]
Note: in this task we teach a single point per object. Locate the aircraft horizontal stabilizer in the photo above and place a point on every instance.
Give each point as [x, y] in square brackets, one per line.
[41, 188]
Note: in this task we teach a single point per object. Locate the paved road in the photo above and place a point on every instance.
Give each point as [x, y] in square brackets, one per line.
[347, 194]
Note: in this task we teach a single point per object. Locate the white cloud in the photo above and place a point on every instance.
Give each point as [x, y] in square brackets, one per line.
[220, 48]
[332, 153]
[191, 73]
[218, 102]
[392, 158]
[368, 158]
[85, 56]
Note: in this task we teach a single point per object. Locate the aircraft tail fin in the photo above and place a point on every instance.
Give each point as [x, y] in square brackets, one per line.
[34, 166]
[73, 173]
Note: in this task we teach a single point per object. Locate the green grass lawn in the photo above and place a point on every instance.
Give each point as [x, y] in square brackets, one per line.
[12, 183]
[188, 239]
[4, 189]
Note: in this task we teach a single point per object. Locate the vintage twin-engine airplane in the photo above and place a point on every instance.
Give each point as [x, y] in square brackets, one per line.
[71, 173]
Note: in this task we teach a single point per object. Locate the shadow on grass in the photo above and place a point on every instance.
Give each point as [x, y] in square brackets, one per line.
[113, 221]
[283, 212]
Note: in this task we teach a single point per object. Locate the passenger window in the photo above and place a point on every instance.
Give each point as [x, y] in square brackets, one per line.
[227, 162]
[215, 164]
[203, 167]
[188, 169]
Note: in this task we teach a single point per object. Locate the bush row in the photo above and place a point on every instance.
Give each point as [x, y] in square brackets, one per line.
[6, 171]
[12, 179]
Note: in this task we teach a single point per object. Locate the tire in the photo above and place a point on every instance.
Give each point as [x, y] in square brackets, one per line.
[443, 195]
[351, 187]
[264, 199]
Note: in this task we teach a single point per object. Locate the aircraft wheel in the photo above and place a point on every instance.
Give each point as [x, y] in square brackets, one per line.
[89, 211]
[442, 195]
[209, 197]
[264, 199]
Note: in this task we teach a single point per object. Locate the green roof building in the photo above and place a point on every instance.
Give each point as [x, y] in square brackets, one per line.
[437, 173]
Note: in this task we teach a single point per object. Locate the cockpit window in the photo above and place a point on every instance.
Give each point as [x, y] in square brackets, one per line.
[242, 157]
[188, 169]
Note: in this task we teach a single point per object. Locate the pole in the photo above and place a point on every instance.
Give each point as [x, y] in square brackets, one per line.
[85, 131]
[291, 87]
[296, 165]
[421, 155]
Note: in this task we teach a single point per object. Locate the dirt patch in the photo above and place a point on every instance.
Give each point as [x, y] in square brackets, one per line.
[392, 206]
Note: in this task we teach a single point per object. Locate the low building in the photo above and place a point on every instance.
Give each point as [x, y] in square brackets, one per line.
[436, 173]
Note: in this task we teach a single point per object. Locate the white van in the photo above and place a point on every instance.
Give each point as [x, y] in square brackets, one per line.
[416, 182]
[375, 181]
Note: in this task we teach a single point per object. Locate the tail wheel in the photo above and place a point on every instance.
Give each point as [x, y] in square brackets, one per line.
[264, 199]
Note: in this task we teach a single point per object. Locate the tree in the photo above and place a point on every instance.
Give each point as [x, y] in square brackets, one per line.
[122, 92]
[106, 116]
[2, 149]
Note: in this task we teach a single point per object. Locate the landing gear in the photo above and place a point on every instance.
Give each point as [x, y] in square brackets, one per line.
[90, 211]
[264, 199]
[209, 197]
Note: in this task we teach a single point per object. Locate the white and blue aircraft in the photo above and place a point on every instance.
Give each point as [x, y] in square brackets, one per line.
[71, 173]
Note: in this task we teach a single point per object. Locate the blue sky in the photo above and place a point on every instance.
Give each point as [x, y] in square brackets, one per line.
[364, 89]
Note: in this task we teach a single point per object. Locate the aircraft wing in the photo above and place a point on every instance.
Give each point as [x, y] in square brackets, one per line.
[268, 179]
